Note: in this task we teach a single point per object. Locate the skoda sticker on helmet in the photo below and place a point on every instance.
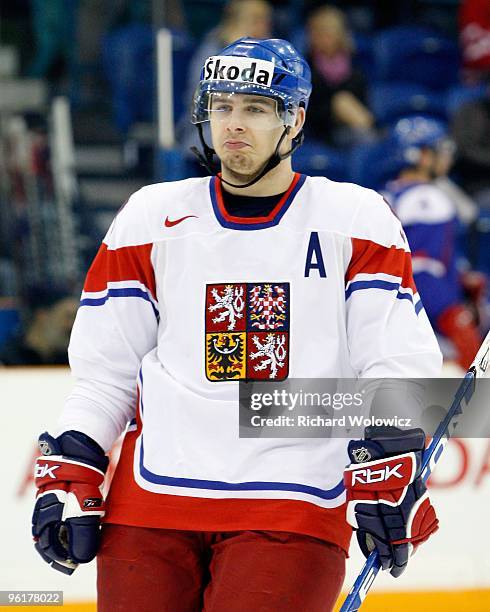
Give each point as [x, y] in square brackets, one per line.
[243, 69]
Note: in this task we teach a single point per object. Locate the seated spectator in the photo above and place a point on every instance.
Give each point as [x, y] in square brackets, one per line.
[240, 18]
[337, 112]
[471, 131]
[46, 333]
[429, 219]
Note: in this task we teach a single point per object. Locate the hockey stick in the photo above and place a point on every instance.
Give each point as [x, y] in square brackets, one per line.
[431, 456]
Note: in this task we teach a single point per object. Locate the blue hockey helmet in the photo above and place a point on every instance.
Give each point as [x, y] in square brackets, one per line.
[412, 134]
[270, 67]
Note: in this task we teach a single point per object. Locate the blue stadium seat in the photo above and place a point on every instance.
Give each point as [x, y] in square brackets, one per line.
[363, 55]
[299, 39]
[9, 323]
[391, 101]
[128, 61]
[316, 159]
[128, 56]
[460, 94]
[416, 54]
[371, 164]
[183, 48]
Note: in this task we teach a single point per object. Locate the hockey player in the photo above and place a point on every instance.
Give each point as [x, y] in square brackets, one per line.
[429, 219]
[254, 273]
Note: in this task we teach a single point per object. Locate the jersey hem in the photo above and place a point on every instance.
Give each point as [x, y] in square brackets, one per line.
[144, 515]
[129, 504]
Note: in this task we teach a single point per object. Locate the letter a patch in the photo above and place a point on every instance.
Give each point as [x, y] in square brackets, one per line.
[247, 331]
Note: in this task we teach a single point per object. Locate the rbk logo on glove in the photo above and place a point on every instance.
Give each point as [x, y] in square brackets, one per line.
[69, 504]
[41, 471]
[369, 476]
[387, 501]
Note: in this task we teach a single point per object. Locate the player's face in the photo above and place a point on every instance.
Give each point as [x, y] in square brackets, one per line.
[245, 130]
[253, 18]
[444, 158]
[428, 162]
[327, 34]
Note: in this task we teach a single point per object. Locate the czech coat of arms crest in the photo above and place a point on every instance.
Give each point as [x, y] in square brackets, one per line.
[247, 331]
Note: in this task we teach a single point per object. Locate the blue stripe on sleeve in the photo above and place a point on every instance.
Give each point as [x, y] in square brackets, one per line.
[418, 307]
[114, 293]
[384, 285]
[372, 284]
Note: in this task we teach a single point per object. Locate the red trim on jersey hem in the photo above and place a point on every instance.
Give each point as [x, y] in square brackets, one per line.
[129, 504]
[251, 220]
[204, 514]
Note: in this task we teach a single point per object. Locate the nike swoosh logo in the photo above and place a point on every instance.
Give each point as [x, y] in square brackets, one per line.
[169, 223]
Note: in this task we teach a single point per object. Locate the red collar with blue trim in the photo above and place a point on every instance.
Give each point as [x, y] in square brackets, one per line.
[253, 223]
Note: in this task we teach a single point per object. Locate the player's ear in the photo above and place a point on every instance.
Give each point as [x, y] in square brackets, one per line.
[300, 121]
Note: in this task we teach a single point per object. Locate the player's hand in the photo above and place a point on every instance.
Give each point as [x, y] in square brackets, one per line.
[69, 504]
[387, 501]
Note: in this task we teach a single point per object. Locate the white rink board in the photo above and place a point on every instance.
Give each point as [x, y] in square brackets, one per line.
[457, 557]
[31, 399]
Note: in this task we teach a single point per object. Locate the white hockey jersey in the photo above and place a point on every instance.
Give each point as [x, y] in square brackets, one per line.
[183, 301]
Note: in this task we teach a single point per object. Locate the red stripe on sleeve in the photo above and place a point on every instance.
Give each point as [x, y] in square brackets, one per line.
[126, 263]
[371, 258]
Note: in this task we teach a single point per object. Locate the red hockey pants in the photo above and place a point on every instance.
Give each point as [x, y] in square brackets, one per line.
[150, 570]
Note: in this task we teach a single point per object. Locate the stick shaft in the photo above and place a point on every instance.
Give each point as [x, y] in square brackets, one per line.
[431, 456]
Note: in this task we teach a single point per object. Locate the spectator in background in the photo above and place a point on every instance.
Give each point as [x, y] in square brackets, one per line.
[337, 112]
[429, 220]
[46, 334]
[471, 132]
[240, 18]
[466, 208]
[474, 283]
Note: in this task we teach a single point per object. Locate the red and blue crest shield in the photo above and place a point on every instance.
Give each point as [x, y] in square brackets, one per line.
[247, 331]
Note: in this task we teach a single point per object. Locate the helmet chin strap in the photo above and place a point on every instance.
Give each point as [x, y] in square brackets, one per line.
[206, 158]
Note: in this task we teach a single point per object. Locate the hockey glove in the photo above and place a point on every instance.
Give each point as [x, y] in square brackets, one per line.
[387, 501]
[69, 504]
